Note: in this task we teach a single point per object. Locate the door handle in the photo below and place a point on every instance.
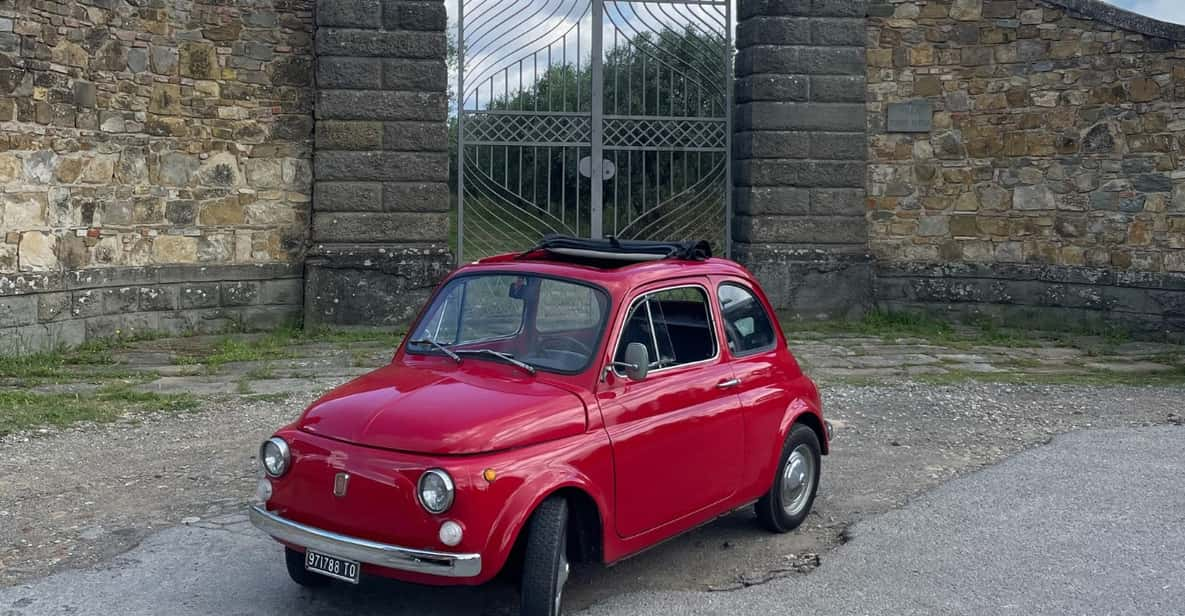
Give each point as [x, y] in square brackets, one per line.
[729, 383]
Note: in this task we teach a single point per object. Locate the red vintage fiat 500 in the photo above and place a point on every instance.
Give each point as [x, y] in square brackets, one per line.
[584, 400]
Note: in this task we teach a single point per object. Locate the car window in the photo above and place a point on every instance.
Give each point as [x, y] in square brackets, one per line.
[746, 323]
[675, 326]
[473, 309]
[564, 306]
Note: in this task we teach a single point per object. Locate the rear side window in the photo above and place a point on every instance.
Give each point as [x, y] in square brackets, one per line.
[747, 324]
[673, 324]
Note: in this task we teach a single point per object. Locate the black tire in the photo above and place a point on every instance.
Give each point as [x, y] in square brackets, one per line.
[545, 563]
[295, 562]
[772, 510]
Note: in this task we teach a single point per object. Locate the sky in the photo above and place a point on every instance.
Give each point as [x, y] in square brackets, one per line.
[1164, 10]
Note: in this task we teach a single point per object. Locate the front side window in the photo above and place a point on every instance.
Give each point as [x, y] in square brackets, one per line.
[547, 323]
[746, 322]
[674, 325]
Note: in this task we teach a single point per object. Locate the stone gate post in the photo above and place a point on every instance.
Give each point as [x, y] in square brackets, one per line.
[799, 152]
[380, 205]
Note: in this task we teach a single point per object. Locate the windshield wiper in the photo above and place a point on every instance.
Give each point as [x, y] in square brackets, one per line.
[439, 347]
[506, 357]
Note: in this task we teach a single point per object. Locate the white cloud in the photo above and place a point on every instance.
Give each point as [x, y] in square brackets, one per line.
[1164, 10]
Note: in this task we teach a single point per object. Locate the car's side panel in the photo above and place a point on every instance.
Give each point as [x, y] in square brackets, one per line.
[675, 438]
[526, 478]
[675, 434]
[774, 393]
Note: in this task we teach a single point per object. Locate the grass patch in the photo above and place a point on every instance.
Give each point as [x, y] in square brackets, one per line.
[23, 410]
[890, 326]
[1100, 378]
[278, 344]
[277, 397]
[93, 360]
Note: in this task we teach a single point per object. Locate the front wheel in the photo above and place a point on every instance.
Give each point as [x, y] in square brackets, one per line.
[545, 563]
[785, 506]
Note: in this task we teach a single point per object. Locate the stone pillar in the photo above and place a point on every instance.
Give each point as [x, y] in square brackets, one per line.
[381, 199]
[799, 152]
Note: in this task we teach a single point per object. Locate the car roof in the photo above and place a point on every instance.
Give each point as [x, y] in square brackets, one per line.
[617, 279]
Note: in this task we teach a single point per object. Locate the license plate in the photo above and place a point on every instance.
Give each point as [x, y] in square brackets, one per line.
[332, 566]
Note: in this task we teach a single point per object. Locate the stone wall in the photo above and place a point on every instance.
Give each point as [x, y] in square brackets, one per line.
[380, 221]
[799, 153]
[1025, 160]
[155, 166]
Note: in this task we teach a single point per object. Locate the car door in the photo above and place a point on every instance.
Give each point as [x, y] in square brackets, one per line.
[754, 344]
[677, 434]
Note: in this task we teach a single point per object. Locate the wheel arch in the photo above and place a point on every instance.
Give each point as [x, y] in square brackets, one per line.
[812, 421]
[586, 515]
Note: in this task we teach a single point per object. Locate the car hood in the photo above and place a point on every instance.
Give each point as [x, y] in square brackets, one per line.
[461, 409]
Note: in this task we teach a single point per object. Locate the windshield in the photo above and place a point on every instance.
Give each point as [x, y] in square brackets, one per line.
[547, 323]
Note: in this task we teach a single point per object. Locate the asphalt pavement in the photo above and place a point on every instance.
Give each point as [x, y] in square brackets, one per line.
[1092, 523]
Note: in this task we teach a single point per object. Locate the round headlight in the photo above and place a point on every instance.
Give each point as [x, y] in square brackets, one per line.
[435, 491]
[274, 456]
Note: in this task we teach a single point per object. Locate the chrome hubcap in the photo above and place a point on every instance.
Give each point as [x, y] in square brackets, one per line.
[798, 480]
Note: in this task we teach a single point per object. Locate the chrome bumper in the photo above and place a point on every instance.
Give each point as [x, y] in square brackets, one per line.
[383, 555]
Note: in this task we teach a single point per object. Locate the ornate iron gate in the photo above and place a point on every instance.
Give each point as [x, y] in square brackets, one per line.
[636, 93]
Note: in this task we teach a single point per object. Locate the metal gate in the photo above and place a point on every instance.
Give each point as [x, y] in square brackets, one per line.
[553, 93]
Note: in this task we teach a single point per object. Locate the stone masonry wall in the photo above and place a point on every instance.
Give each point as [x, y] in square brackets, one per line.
[1025, 159]
[380, 222]
[155, 166]
[799, 150]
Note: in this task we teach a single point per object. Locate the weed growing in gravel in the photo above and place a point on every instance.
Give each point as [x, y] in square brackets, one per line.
[23, 410]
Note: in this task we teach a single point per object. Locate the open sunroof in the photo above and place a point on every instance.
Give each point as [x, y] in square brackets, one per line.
[612, 252]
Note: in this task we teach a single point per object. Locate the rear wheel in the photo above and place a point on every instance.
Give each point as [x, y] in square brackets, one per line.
[545, 563]
[295, 562]
[789, 499]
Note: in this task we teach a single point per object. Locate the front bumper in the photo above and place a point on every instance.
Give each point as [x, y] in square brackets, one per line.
[441, 564]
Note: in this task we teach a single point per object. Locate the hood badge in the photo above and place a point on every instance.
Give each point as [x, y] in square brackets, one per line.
[341, 482]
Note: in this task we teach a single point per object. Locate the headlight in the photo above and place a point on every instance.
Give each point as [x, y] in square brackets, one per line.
[435, 491]
[274, 456]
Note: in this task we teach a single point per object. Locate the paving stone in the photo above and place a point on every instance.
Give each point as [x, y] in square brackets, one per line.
[1121, 367]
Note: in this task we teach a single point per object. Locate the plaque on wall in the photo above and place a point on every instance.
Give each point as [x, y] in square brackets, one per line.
[915, 116]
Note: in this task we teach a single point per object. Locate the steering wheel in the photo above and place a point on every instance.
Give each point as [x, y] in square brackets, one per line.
[571, 342]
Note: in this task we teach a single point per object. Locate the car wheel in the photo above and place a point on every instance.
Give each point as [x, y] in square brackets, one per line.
[789, 499]
[295, 562]
[545, 562]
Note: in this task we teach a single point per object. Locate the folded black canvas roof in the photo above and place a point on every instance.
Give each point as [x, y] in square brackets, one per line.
[622, 252]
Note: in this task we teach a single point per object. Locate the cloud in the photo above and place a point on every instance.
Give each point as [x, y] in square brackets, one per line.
[1164, 10]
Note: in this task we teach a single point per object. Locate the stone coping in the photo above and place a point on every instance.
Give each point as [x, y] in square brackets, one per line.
[1061, 274]
[98, 277]
[1124, 19]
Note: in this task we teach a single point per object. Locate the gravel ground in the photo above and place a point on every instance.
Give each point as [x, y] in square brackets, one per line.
[78, 497]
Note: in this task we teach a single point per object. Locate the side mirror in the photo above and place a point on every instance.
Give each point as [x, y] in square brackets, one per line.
[637, 361]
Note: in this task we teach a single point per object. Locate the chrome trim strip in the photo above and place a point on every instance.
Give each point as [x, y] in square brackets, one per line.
[429, 562]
